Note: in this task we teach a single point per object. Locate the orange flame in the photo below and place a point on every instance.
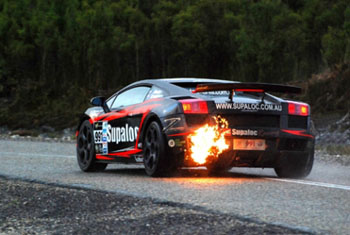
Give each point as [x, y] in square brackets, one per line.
[208, 140]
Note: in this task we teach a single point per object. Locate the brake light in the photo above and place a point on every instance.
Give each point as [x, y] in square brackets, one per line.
[301, 109]
[194, 106]
[250, 90]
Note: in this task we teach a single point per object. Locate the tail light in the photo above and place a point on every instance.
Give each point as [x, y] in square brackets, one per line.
[194, 106]
[250, 90]
[300, 109]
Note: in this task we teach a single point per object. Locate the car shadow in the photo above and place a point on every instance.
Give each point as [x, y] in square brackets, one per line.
[183, 173]
[127, 171]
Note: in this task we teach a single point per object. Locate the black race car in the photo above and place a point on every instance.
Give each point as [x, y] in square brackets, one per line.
[183, 122]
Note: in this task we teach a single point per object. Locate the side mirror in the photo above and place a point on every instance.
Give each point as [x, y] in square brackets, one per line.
[98, 101]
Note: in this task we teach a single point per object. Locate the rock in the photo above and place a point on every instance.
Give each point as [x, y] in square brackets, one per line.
[23, 132]
[14, 137]
[336, 133]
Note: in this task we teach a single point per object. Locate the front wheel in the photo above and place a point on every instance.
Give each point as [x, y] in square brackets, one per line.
[295, 166]
[86, 149]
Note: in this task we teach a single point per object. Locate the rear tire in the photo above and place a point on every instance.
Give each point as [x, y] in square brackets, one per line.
[292, 167]
[86, 149]
[155, 161]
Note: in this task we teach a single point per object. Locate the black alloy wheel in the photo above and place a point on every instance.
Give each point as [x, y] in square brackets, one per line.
[153, 149]
[295, 167]
[86, 149]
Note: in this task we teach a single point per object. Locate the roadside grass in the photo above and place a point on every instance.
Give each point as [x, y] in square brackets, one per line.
[334, 149]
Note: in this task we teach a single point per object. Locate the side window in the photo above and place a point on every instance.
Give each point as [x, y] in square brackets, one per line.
[155, 92]
[132, 96]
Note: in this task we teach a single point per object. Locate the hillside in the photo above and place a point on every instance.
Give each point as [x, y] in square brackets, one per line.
[55, 55]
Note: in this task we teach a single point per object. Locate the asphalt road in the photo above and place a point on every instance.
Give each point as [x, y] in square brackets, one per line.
[319, 203]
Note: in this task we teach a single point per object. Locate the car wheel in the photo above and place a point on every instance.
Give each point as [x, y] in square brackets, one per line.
[154, 151]
[295, 167]
[86, 149]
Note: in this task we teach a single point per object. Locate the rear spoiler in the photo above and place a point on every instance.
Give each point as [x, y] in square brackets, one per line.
[247, 87]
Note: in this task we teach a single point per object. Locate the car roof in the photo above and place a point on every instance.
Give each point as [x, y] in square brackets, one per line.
[176, 86]
[187, 80]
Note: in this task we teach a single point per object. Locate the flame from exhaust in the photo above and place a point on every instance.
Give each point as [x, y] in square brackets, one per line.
[208, 140]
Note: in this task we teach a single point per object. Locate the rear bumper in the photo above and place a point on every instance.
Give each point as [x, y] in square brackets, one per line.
[279, 146]
[268, 159]
[280, 142]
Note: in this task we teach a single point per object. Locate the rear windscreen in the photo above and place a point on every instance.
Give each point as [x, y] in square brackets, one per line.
[192, 86]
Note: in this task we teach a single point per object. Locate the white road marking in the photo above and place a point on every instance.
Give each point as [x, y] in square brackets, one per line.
[36, 154]
[313, 183]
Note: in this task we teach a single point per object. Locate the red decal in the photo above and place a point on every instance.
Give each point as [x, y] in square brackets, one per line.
[105, 115]
[101, 157]
[180, 134]
[126, 154]
[138, 134]
[299, 133]
[121, 154]
[116, 116]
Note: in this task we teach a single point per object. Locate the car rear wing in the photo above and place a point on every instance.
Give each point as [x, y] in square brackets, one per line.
[247, 87]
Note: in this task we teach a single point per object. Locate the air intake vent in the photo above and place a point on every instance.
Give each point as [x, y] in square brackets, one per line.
[293, 145]
[196, 119]
[299, 122]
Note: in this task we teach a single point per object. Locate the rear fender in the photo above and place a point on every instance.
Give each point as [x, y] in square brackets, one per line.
[150, 118]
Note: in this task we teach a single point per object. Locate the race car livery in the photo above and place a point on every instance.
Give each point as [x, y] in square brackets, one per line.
[167, 124]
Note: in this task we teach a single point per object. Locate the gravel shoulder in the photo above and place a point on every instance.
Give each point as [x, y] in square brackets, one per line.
[326, 157]
[31, 208]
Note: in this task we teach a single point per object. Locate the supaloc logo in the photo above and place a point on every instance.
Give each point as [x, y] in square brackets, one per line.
[118, 134]
[249, 106]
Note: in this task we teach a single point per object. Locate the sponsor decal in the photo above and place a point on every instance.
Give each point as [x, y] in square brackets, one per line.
[119, 134]
[249, 106]
[212, 93]
[244, 132]
[104, 138]
[180, 143]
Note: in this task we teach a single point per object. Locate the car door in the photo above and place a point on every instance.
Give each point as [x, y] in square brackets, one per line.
[117, 133]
